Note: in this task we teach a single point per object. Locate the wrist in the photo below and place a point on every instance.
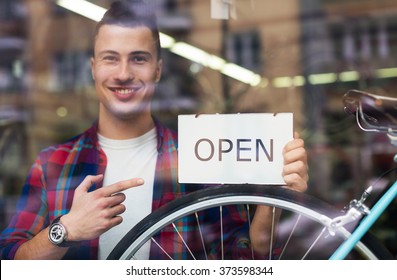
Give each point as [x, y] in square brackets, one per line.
[58, 234]
[65, 221]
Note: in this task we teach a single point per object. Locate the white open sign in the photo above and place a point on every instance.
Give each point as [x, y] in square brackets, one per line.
[233, 148]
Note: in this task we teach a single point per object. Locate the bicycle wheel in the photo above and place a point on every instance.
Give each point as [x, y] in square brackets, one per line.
[301, 229]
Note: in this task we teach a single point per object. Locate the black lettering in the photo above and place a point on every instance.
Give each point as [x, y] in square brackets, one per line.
[196, 148]
[239, 149]
[224, 151]
[268, 155]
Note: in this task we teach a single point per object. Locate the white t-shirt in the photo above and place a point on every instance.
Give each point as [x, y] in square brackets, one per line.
[126, 159]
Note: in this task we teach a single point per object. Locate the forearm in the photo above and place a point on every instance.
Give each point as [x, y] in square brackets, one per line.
[263, 228]
[40, 248]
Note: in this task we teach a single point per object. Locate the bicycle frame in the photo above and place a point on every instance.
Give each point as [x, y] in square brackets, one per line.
[366, 223]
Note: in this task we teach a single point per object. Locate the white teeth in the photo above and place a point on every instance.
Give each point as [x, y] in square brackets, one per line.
[124, 91]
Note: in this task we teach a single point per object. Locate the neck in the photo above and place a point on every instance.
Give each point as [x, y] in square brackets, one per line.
[120, 129]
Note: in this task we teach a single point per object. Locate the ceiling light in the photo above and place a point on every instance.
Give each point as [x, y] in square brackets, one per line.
[349, 76]
[166, 41]
[298, 81]
[386, 73]
[84, 8]
[190, 52]
[239, 73]
[326, 78]
[282, 82]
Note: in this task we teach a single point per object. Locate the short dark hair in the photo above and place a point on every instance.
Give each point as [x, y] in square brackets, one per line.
[132, 13]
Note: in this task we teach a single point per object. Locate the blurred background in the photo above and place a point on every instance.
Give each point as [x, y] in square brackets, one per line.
[221, 56]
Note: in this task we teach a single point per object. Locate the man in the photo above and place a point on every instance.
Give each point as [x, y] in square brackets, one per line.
[74, 196]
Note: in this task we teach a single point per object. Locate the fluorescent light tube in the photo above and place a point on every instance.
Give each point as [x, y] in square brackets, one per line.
[84, 8]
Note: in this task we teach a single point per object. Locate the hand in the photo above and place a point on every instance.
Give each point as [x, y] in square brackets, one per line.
[295, 172]
[93, 213]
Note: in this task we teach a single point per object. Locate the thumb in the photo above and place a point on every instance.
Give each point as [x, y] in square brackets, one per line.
[88, 181]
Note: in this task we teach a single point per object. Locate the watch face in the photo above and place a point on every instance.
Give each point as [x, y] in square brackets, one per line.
[57, 233]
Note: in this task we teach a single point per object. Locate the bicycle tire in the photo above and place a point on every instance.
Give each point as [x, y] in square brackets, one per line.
[286, 199]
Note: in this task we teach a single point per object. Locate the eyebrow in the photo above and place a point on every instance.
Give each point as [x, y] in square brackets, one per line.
[141, 53]
[131, 53]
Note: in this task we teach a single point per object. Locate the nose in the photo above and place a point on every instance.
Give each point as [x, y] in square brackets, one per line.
[124, 72]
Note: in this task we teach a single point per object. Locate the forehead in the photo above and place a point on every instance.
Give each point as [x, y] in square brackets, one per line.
[116, 37]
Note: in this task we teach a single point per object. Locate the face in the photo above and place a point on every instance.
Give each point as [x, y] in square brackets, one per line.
[125, 69]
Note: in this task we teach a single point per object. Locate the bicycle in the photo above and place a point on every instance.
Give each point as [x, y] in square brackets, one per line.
[333, 234]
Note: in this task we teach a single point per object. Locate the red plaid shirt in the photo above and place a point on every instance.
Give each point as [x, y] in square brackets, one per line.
[58, 170]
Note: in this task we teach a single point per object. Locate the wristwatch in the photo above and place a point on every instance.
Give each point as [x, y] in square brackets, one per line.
[57, 234]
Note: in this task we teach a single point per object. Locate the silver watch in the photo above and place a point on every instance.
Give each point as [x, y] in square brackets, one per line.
[57, 234]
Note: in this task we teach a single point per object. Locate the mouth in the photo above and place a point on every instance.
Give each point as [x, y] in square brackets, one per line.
[125, 92]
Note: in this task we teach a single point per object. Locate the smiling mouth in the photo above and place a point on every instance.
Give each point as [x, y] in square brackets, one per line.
[125, 91]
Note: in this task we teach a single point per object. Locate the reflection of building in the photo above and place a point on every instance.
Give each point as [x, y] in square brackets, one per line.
[352, 44]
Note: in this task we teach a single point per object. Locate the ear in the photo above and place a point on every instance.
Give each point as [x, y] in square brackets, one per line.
[159, 70]
[92, 63]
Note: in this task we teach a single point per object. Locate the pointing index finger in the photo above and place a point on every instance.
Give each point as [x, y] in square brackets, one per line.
[122, 186]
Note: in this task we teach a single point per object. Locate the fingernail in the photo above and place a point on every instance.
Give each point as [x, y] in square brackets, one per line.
[140, 181]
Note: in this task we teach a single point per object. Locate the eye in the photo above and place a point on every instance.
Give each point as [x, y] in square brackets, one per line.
[139, 59]
[110, 58]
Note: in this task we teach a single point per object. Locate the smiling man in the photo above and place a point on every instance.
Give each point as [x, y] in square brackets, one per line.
[83, 195]
[126, 67]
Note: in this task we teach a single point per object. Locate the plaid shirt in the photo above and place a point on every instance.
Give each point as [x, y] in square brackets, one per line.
[58, 170]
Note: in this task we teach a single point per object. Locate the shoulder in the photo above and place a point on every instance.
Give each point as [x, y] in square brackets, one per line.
[60, 152]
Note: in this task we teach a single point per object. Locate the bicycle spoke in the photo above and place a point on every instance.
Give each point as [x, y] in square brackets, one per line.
[314, 243]
[221, 215]
[183, 240]
[161, 248]
[249, 227]
[201, 236]
[272, 232]
[289, 237]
